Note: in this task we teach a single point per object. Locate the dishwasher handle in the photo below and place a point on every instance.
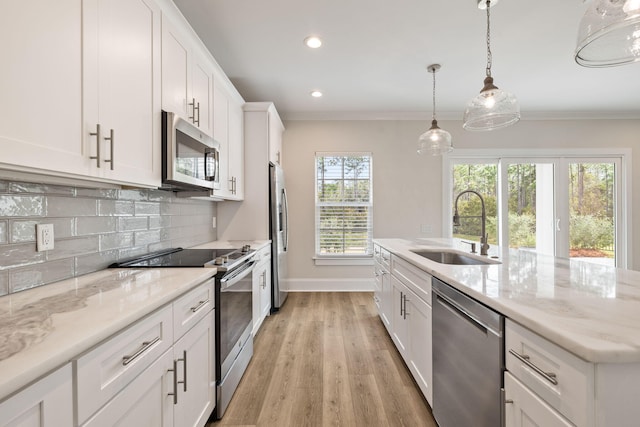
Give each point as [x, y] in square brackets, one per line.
[456, 309]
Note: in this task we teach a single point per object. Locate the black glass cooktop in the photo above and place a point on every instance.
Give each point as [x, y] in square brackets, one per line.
[179, 257]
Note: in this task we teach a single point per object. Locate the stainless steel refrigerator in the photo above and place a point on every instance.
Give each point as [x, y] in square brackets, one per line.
[279, 235]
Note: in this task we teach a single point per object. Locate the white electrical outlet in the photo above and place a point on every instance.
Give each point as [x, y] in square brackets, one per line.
[44, 237]
[214, 222]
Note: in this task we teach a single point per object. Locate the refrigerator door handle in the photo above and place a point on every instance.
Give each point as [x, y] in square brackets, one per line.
[285, 223]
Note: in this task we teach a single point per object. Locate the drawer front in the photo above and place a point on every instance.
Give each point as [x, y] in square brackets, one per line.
[108, 368]
[414, 278]
[191, 307]
[385, 258]
[564, 381]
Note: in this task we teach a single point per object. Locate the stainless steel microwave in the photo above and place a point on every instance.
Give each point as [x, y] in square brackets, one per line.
[190, 158]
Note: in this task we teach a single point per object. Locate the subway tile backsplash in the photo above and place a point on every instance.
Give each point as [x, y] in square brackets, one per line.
[92, 229]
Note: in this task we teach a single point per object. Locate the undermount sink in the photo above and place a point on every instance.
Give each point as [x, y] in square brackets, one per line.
[455, 258]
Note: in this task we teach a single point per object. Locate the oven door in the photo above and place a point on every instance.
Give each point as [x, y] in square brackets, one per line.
[235, 306]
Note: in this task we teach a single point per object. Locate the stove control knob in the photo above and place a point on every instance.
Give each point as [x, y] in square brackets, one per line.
[246, 248]
[225, 259]
[218, 261]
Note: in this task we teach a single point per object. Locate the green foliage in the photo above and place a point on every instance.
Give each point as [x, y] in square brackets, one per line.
[522, 231]
[590, 232]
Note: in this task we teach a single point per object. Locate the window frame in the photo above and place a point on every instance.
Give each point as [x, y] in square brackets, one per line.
[343, 258]
[503, 157]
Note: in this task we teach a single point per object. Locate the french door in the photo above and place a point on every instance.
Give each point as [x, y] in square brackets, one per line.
[569, 206]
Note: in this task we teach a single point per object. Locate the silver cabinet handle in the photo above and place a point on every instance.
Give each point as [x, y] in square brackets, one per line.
[175, 382]
[98, 136]
[195, 118]
[549, 376]
[146, 345]
[503, 409]
[111, 140]
[200, 305]
[233, 182]
[184, 365]
[263, 276]
[405, 299]
[194, 108]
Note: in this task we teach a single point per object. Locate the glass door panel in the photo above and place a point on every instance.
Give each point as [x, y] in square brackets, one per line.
[530, 206]
[592, 211]
[482, 178]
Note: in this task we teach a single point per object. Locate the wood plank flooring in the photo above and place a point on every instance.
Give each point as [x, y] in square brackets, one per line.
[326, 360]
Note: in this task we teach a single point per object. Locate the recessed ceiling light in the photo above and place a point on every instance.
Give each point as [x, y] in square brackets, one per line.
[313, 42]
[316, 94]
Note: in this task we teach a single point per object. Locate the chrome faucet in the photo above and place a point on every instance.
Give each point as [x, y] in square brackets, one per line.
[484, 246]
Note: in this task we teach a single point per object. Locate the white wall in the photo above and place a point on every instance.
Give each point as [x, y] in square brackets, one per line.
[407, 186]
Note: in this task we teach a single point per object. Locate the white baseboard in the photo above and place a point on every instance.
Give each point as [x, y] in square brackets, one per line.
[329, 285]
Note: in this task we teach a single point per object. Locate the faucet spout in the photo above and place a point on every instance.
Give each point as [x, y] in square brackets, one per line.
[484, 246]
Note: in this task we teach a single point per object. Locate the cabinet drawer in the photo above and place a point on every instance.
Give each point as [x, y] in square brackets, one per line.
[414, 278]
[562, 380]
[191, 307]
[108, 368]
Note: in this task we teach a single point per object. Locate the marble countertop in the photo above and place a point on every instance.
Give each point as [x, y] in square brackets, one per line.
[43, 328]
[591, 310]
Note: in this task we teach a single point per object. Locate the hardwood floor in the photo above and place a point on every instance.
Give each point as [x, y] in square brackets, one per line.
[326, 360]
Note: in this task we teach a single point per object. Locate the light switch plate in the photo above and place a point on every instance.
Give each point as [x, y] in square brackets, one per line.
[44, 237]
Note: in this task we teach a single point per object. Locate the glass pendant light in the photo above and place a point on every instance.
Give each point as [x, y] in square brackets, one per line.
[435, 141]
[609, 34]
[493, 108]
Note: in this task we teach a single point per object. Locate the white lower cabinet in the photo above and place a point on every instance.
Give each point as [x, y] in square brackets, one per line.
[383, 292]
[261, 287]
[411, 319]
[194, 362]
[48, 402]
[523, 408]
[160, 372]
[144, 402]
[399, 324]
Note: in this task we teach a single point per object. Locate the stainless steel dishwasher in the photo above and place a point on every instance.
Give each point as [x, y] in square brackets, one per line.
[468, 360]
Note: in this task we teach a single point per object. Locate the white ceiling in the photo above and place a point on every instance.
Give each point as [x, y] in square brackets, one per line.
[375, 53]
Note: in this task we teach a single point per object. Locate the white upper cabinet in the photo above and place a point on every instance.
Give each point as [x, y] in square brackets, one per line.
[187, 77]
[228, 119]
[121, 75]
[73, 65]
[41, 87]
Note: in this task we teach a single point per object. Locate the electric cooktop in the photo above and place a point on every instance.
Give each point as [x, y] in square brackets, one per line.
[188, 258]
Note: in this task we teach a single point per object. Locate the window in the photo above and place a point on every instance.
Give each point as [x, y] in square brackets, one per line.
[344, 205]
[563, 203]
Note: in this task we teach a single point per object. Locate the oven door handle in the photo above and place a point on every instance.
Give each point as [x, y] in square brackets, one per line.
[236, 276]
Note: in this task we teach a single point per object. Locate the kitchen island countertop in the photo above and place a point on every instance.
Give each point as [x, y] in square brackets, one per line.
[589, 309]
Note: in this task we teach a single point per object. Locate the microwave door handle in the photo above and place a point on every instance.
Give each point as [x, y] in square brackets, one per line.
[210, 176]
[206, 157]
[216, 163]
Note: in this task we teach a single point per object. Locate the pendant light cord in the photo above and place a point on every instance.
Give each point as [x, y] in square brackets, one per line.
[489, 57]
[433, 117]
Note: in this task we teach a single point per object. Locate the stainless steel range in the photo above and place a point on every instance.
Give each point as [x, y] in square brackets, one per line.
[233, 307]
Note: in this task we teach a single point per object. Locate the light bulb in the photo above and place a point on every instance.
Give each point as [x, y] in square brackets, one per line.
[490, 101]
[631, 6]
